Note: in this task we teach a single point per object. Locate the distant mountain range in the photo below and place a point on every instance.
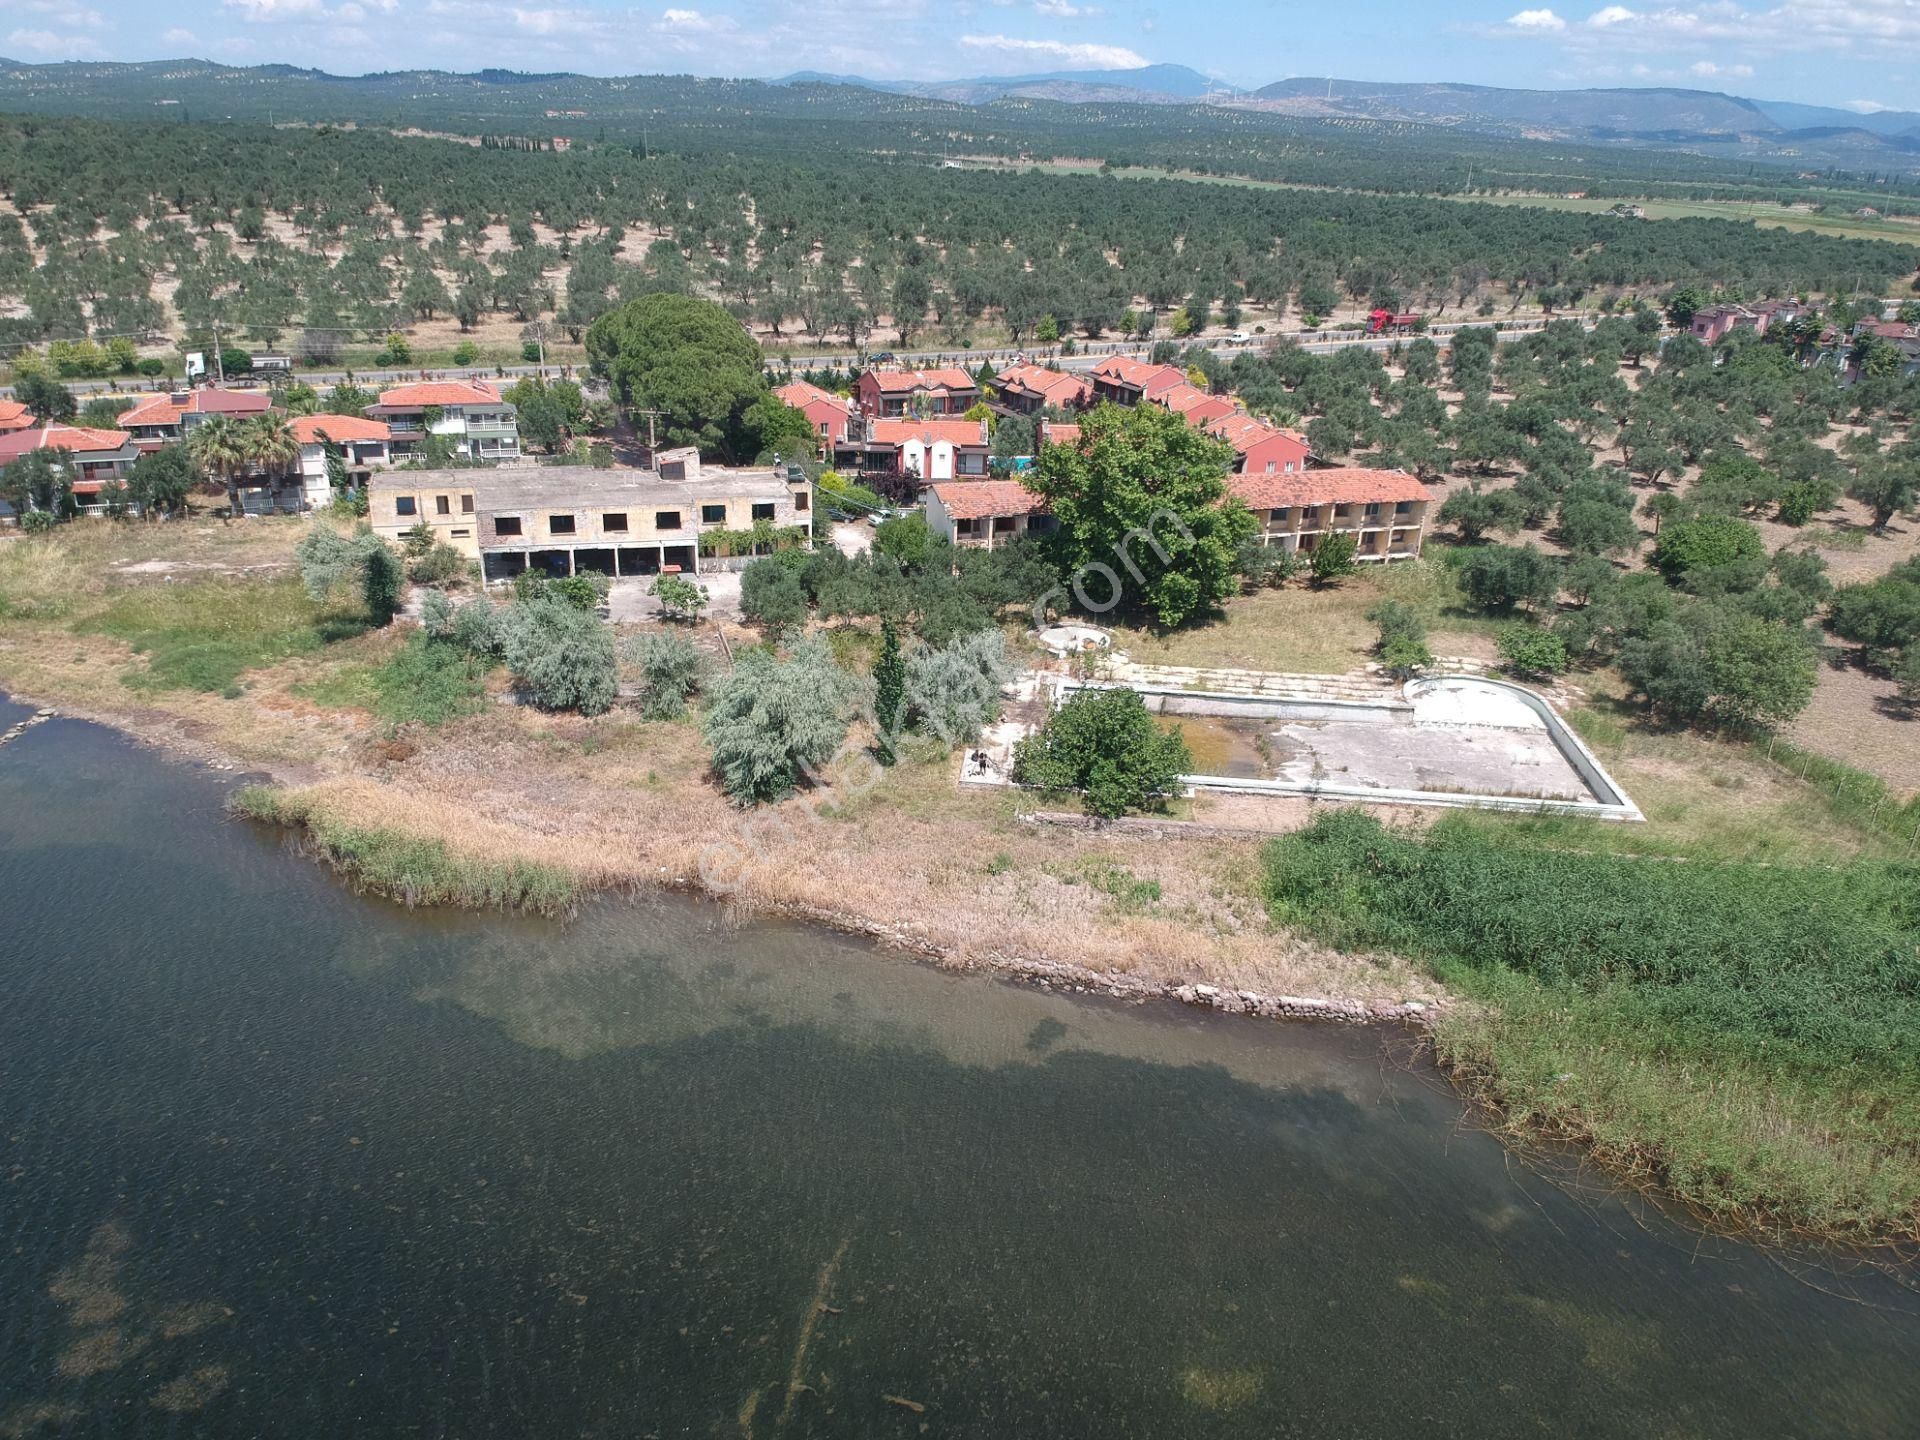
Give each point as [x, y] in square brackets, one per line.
[1727, 127]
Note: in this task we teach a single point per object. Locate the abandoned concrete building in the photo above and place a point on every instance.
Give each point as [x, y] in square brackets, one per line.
[570, 519]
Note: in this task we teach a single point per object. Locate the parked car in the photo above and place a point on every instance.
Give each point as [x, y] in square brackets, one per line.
[1239, 337]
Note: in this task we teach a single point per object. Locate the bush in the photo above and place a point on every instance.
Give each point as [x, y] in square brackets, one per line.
[954, 691]
[560, 655]
[679, 597]
[1527, 650]
[1332, 559]
[1104, 744]
[441, 564]
[1265, 565]
[1705, 543]
[585, 591]
[477, 629]
[771, 593]
[670, 669]
[466, 352]
[428, 682]
[1508, 577]
[1717, 664]
[773, 721]
[328, 559]
[1402, 646]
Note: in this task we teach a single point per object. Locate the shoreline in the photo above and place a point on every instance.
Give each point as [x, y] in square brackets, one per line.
[170, 740]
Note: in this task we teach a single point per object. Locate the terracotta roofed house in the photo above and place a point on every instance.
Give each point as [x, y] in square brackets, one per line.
[472, 416]
[161, 419]
[1028, 389]
[1263, 449]
[1199, 407]
[94, 457]
[829, 414]
[925, 450]
[985, 513]
[14, 416]
[885, 394]
[365, 445]
[1126, 381]
[1384, 510]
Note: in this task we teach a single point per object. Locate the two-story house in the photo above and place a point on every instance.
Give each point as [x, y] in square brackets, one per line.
[363, 445]
[1384, 510]
[1263, 449]
[162, 419]
[1126, 381]
[982, 514]
[14, 416]
[570, 519]
[920, 451]
[829, 414]
[1031, 389]
[469, 413]
[887, 394]
[93, 457]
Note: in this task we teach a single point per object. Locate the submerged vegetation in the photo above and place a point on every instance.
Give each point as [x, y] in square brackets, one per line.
[1747, 1034]
[409, 868]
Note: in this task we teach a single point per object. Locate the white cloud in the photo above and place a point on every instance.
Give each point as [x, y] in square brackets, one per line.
[1084, 57]
[1612, 15]
[177, 36]
[262, 11]
[1063, 9]
[1536, 20]
[1708, 68]
[1864, 107]
[684, 20]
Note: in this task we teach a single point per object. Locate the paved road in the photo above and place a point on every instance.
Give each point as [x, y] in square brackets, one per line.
[1088, 354]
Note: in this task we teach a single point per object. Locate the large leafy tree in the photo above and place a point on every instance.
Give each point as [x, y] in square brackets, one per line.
[1104, 744]
[1142, 510]
[686, 358]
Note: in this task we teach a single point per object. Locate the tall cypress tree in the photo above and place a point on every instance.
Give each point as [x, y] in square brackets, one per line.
[889, 692]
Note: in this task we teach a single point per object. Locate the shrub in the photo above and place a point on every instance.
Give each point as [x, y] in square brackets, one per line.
[679, 597]
[1705, 543]
[560, 655]
[954, 691]
[466, 352]
[771, 593]
[328, 559]
[1402, 646]
[585, 591]
[1507, 577]
[440, 565]
[1906, 676]
[1527, 650]
[429, 683]
[1265, 565]
[1332, 558]
[773, 721]
[670, 669]
[477, 629]
[1104, 744]
[1714, 663]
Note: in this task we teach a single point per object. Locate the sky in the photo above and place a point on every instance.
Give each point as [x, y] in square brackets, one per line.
[1861, 54]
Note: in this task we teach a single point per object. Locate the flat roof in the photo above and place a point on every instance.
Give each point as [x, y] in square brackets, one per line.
[566, 487]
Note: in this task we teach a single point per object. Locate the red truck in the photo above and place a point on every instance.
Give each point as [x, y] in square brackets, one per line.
[1384, 322]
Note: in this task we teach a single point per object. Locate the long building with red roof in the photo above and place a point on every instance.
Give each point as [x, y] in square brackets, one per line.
[94, 457]
[1384, 510]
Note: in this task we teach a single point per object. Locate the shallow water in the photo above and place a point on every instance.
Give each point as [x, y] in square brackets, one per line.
[279, 1161]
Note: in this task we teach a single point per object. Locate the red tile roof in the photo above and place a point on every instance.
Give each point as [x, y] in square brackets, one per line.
[79, 439]
[1243, 432]
[954, 432]
[209, 400]
[14, 415]
[948, 378]
[1059, 432]
[1347, 485]
[802, 393]
[1139, 375]
[311, 429]
[981, 499]
[156, 410]
[439, 392]
[1056, 387]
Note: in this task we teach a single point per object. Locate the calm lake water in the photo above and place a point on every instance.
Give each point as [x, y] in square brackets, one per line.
[278, 1161]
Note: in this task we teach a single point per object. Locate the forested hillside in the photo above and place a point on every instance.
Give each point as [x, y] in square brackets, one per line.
[146, 230]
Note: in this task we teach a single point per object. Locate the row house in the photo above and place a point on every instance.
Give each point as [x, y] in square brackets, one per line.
[830, 415]
[1125, 381]
[923, 451]
[982, 514]
[1384, 510]
[163, 419]
[1262, 449]
[574, 519]
[889, 394]
[93, 457]
[469, 413]
[1033, 389]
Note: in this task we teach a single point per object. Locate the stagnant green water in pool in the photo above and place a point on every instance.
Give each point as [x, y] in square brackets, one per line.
[277, 1161]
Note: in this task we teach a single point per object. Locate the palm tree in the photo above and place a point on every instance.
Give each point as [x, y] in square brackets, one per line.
[219, 448]
[271, 444]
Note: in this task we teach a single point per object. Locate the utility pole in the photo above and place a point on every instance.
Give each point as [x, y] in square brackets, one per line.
[650, 414]
[219, 364]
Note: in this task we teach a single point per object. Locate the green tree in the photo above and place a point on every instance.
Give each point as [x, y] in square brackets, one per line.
[773, 723]
[39, 483]
[953, 691]
[218, 446]
[670, 669]
[889, 693]
[561, 655]
[1475, 511]
[1527, 650]
[1716, 664]
[328, 559]
[772, 425]
[49, 402]
[679, 597]
[162, 480]
[685, 357]
[1886, 487]
[1509, 577]
[772, 593]
[1104, 744]
[1332, 559]
[1705, 543]
[1143, 497]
